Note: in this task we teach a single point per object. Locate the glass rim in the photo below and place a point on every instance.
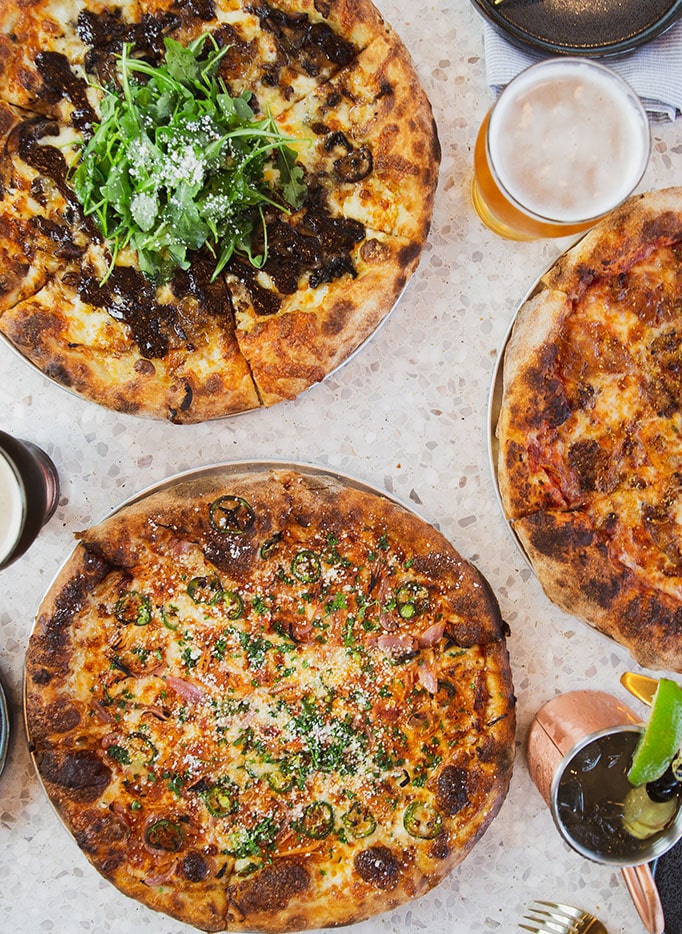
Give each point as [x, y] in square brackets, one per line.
[664, 842]
[584, 63]
[7, 557]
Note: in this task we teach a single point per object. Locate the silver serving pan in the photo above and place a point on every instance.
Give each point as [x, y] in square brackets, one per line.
[497, 386]
[494, 405]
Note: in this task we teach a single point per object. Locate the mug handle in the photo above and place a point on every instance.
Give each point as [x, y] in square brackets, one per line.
[642, 888]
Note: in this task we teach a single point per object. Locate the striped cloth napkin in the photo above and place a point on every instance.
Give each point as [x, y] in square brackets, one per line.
[654, 71]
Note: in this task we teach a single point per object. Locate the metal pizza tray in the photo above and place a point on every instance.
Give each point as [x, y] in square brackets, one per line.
[497, 386]
[231, 468]
[494, 405]
[226, 470]
[573, 27]
[4, 340]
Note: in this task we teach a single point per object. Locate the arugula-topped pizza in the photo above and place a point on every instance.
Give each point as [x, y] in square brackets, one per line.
[270, 700]
[205, 206]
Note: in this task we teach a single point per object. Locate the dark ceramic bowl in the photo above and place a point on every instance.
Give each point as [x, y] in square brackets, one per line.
[581, 27]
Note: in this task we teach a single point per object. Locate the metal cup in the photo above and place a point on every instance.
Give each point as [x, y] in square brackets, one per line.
[559, 730]
[562, 724]
[29, 492]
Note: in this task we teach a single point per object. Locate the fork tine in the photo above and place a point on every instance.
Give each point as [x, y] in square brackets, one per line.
[547, 926]
[543, 929]
[552, 918]
[566, 910]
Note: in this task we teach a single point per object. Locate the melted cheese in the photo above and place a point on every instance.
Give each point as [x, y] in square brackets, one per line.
[329, 719]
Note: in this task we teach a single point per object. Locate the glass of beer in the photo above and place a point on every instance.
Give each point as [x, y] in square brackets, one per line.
[29, 492]
[566, 142]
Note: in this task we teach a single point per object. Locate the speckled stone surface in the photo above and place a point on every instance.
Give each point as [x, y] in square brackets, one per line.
[408, 415]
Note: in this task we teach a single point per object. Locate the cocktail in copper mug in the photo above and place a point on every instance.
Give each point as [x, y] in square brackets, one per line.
[29, 492]
[579, 733]
[566, 142]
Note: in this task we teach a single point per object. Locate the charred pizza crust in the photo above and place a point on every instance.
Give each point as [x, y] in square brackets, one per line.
[589, 429]
[336, 78]
[270, 701]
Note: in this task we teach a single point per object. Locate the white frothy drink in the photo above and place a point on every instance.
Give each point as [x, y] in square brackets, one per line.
[11, 508]
[568, 140]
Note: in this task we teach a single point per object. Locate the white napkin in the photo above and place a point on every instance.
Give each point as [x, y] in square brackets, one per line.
[654, 71]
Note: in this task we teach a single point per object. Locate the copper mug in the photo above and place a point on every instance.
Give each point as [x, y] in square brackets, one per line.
[558, 729]
[29, 493]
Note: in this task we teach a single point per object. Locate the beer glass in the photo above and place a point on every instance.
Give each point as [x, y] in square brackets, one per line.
[29, 491]
[566, 142]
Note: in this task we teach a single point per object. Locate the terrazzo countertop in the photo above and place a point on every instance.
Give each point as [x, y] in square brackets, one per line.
[407, 414]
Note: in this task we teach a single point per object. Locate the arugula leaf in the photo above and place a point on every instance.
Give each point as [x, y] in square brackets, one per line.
[177, 164]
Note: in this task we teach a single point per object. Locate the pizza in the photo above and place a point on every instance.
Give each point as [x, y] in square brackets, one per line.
[265, 698]
[590, 450]
[225, 250]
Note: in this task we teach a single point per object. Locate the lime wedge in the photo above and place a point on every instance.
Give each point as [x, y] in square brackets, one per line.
[662, 735]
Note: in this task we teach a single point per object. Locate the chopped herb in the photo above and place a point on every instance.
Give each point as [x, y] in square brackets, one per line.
[244, 739]
[219, 647]
[191, 656]
[260, 607]
[243, 842]
[386, 761]
[118, 754]
[255, 648]
[332, 744]
[175, 781]
[339, 602]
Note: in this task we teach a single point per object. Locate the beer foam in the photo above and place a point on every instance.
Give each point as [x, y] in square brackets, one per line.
[11, 508]
[569, 140]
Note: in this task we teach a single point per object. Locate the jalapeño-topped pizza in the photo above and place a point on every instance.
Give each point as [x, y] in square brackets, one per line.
[205, 206]
[590, 429]
[267, 699]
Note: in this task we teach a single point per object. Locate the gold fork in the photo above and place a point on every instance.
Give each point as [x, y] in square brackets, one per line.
[552, 918]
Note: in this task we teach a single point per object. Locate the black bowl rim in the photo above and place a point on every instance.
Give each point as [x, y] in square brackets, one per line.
[618, 46]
